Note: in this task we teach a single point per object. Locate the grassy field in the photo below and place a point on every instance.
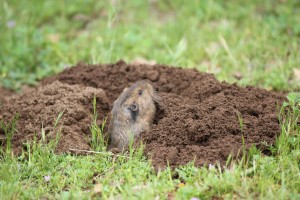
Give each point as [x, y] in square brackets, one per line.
[254, 43]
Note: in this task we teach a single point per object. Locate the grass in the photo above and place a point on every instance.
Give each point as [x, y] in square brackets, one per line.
[9, 130]
[39, 173]
[257, 42]
[98, 142]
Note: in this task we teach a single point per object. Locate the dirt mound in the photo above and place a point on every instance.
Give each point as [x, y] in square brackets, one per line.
[209, 130]
[40, 109]
[199, 117]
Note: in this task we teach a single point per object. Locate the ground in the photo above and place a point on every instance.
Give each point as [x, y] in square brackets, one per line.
[253, 44]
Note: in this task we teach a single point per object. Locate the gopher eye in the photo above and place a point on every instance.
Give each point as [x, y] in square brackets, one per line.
[140, 92]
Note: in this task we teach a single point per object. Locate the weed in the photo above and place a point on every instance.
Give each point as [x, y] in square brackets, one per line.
[241, 122]
[98, 141]
[289, 138]
[9, 130]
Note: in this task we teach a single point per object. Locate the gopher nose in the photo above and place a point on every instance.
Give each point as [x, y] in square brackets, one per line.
[134, 107]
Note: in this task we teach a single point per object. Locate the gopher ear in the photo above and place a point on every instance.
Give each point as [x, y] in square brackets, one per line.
[157, 99]
[121, 97]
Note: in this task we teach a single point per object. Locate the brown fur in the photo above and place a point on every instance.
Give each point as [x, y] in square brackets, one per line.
[132, 114]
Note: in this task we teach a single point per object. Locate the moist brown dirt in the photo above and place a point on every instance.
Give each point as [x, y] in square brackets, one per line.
[39, 110]
[198, 117]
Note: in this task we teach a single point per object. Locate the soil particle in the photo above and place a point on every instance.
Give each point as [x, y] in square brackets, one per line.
[198, 117]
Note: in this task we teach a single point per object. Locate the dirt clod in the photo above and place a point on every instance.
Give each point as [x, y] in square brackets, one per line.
[199, 118]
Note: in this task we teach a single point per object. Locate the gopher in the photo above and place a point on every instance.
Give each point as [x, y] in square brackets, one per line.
[132, 114]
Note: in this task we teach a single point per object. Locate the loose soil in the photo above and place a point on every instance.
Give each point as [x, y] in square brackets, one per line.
[198, 119]
[39, 111]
